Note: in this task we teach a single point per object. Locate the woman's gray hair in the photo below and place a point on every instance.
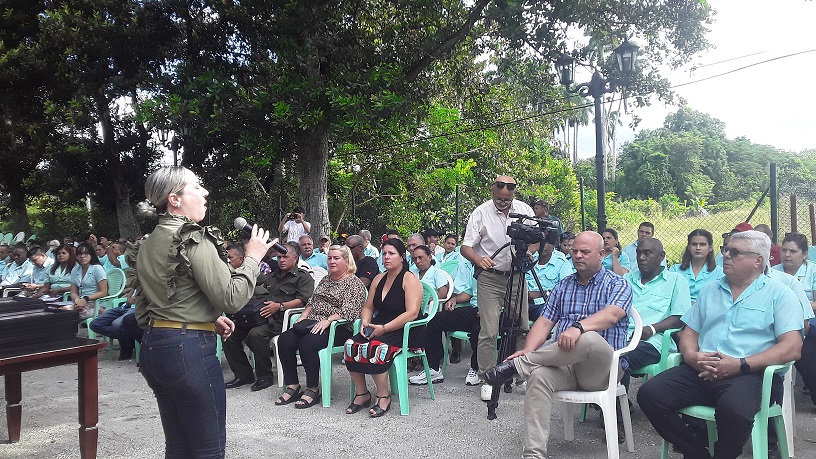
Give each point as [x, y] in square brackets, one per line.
[159, 186]
[759, 242]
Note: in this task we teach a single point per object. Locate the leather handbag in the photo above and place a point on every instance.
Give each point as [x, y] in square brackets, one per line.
[250, 315]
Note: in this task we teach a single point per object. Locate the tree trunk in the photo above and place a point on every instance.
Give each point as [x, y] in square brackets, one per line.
[312, 146]
[17, 206]
[128, 227]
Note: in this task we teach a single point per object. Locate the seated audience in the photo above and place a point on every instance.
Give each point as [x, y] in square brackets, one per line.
[5, 258]
[661, 297]
[429, 274]
[698, 265]
[52, 249]
[794, 258]
[324, 243]
[19, 271]
[775, 248]
[339, 295]
[89, 282]
[432, 241]
[394, 299]
[565, 242]
[412, 242]
[59, 276]
[739, 325]
[288, 287]
[115, 256]
[459, 313]
[369, 250]
[550, 268]
[389, 234]
[449, 251]
[39, 275]
[367, 268]
[235, 255]
[309, 255]
[614, 260]
[111, 323]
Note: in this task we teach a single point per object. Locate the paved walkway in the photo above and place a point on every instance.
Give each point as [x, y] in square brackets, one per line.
[454, 425]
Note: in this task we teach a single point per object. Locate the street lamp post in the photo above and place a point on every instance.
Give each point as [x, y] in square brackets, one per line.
[626, 54]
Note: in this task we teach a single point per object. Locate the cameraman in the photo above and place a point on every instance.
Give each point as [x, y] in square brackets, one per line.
[486, 232]
[294, 224]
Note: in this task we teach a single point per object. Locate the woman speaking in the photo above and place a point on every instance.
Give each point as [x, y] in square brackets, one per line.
[185, 285]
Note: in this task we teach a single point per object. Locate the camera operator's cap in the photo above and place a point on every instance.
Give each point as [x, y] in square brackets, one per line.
[744, 226]
[541, 202]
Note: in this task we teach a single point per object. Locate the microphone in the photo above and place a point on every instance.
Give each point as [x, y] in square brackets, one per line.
[241, 224]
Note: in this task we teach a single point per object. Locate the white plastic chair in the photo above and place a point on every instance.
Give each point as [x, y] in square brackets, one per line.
[318, 273]
[606, 399]
[450, 288]
[287, 324]
[789, 407]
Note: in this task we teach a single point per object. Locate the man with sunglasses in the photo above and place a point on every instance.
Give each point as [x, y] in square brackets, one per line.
[740, 324]
[486, 232]
[367, 268]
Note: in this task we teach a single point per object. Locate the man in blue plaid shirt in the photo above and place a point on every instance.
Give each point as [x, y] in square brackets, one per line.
[589, 311]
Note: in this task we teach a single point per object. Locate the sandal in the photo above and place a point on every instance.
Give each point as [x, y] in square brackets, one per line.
[294, 395]
[306, 404]
[377, 411]
[354, 407]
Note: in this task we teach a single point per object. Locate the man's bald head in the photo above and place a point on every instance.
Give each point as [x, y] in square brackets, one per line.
[587, 254]
[650, 255]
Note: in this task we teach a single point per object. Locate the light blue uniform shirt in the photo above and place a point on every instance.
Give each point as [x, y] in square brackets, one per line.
[17, 274]
[60, 279]
[631, 251]
[443, 257]
[40, 275]
[434, 277]
[317, 259]
[696, 283]
[747, 326]
[796, 287]
[665, 295]
[548, 274]
[87, 285]
[371, 251]
[623, 259]
[719, 260]
[806, 275]
[463, 281]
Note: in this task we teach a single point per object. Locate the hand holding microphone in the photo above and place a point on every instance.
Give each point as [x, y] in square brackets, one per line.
[259, 242]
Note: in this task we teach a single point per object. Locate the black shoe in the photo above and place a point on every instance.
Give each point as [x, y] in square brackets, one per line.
[455, 358]
[238, 382]
[125, 355]
[262, 384]
[500, 373]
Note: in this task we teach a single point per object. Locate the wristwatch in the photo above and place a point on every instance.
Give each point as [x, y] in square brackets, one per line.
[86, 298]
[578, 326]
[744, 367]
[282, 307]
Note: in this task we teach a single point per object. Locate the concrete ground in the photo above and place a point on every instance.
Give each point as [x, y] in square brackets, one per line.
[453, 425]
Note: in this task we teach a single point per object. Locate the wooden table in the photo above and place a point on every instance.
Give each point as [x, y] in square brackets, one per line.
[84, 352]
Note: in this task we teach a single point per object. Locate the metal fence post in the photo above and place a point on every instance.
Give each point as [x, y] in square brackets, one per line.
[583, 209]
[774, 204]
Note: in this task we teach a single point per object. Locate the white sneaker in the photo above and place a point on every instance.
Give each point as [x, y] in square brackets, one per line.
[472, 378]
[487, 392]
[419, 379]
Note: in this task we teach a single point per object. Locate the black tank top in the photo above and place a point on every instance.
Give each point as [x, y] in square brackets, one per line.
[394, 303]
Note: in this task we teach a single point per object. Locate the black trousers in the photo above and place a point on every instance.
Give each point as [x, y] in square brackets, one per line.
[460, 319]
[735, 399]
[806, 365]
[300, 338]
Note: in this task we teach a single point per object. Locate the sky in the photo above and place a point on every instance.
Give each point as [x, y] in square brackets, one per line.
[772, 103]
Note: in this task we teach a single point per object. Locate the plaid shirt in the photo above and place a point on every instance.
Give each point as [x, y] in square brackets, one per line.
[570, 302]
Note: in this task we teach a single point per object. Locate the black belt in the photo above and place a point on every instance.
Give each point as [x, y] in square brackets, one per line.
[496, 271]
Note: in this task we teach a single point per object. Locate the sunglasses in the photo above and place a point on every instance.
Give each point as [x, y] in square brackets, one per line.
[734, 253]
[501, 185]
[352, 247]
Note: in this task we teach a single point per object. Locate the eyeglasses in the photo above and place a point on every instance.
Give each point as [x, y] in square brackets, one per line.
[501, 185]
[734, 253]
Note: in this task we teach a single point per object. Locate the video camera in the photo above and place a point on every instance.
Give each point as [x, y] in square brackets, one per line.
[545, 230]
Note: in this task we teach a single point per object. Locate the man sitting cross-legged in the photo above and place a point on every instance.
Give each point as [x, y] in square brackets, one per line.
[740, 324]
[588, 310]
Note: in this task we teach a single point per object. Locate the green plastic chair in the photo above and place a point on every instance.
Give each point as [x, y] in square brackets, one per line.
[325, 355]
[759, 433]
[650, 371]
[398, 374]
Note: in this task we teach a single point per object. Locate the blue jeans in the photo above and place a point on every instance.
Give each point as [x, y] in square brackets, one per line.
[182, 369]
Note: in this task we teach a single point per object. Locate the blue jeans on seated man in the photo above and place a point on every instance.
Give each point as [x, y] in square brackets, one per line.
[644, 354]
[182, 369]
[114, 323]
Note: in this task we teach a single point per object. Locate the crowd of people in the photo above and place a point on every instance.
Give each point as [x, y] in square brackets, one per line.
[738, 310]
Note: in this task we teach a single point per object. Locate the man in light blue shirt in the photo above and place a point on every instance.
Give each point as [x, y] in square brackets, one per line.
[660, 297]
[20, 269]
[41, 265]
[310, 255]
[645, 231]
[740, 324]
[369, 250]
[552, 266]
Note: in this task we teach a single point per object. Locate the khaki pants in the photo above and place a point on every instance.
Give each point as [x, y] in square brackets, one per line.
[490, 292]
[550, 369]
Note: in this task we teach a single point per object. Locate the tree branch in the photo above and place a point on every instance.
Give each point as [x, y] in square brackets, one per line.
[450, 42]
